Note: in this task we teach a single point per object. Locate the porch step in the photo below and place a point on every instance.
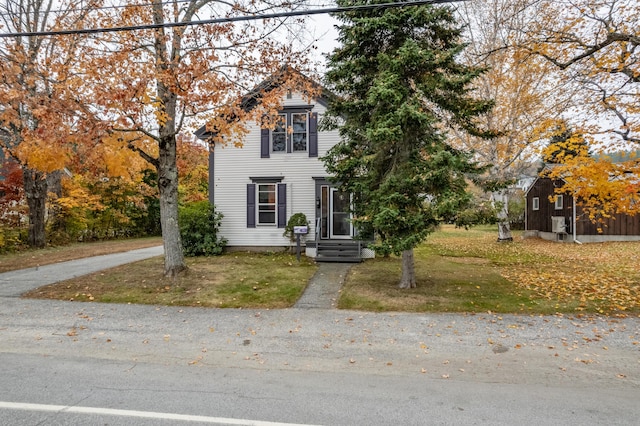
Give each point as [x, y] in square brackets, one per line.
[338, 251]
[341, 259]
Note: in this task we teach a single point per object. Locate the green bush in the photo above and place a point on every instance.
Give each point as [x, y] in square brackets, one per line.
[477, 214]
[516, 212]
[199, 225]
[297, 219]
[11, 239]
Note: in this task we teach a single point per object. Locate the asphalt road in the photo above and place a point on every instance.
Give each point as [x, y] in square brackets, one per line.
[70, 363]
[313, 366]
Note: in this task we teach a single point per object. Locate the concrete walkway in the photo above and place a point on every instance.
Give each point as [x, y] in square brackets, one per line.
[15, 283]
[323, 289]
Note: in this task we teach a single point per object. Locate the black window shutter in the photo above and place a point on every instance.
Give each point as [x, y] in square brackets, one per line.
[282, 205]
[313, 134]
[264, 143]
[251, 205]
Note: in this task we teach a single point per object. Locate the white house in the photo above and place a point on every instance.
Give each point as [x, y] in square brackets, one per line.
[278, 173]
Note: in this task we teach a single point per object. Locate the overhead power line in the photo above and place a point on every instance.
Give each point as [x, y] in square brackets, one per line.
[118, 6]
[230, 19]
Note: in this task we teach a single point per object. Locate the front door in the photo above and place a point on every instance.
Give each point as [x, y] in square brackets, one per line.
[340, 203]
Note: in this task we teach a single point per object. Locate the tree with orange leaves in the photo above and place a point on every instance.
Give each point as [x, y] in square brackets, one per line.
[40, 113]
[193, 169]
[150, 84]
[596, 44]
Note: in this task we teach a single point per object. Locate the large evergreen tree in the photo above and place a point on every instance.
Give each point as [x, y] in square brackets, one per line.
[399, 88]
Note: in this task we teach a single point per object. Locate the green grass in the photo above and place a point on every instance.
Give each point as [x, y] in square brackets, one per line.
[469, 271]
[456, 271]
[235, 280]
[444, 284]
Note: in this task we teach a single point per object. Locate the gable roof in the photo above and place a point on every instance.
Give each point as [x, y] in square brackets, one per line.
[253, 98]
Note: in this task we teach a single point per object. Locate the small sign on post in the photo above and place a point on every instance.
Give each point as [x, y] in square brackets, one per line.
[297, 231]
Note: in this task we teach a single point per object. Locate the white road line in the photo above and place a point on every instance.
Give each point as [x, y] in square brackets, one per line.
[133, 413]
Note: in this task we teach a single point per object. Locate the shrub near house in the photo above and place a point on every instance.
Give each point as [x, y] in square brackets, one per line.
[199, 224]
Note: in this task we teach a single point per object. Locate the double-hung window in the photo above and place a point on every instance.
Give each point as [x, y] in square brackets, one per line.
[279, 134]
[295, 131]
[266, 202]
[291, 132]
[299, 131]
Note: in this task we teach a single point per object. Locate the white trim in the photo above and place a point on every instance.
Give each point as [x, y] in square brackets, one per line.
[306, 132]
[559, 203]
[332, 235]
[274, 203]
[288, 131]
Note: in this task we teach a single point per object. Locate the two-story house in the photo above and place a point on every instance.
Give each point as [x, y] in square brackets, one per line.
[277, 173]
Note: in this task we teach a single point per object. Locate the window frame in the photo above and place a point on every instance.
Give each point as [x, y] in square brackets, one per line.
[294, 133]
[270, 203]
[535, 203]
[279, 130]
[559, 202]
[253, 201]
[290, 131]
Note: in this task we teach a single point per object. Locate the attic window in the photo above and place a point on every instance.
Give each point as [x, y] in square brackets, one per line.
[279, 134]
[291, 132]
[559, 204]
[296, 131]
[299, 134]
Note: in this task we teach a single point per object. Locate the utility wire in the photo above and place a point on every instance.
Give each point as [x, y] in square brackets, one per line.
[230, 19]
[111, 7]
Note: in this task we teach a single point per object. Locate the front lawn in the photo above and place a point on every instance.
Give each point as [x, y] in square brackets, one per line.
[468, 270]
[233, 280]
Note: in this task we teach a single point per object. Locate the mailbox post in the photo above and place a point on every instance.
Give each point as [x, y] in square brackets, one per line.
[298, 231]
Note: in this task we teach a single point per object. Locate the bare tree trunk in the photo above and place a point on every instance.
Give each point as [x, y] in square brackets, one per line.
[408, 279]
[174, 262]
[167, 167]
[55, 219]
[35, 191]
[501, 201]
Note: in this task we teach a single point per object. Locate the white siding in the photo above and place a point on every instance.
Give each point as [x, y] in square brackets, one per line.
[234, 166]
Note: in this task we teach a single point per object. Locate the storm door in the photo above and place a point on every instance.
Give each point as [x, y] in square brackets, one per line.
[340, 223]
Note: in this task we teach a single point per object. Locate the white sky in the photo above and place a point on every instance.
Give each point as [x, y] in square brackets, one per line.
[322, 28]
